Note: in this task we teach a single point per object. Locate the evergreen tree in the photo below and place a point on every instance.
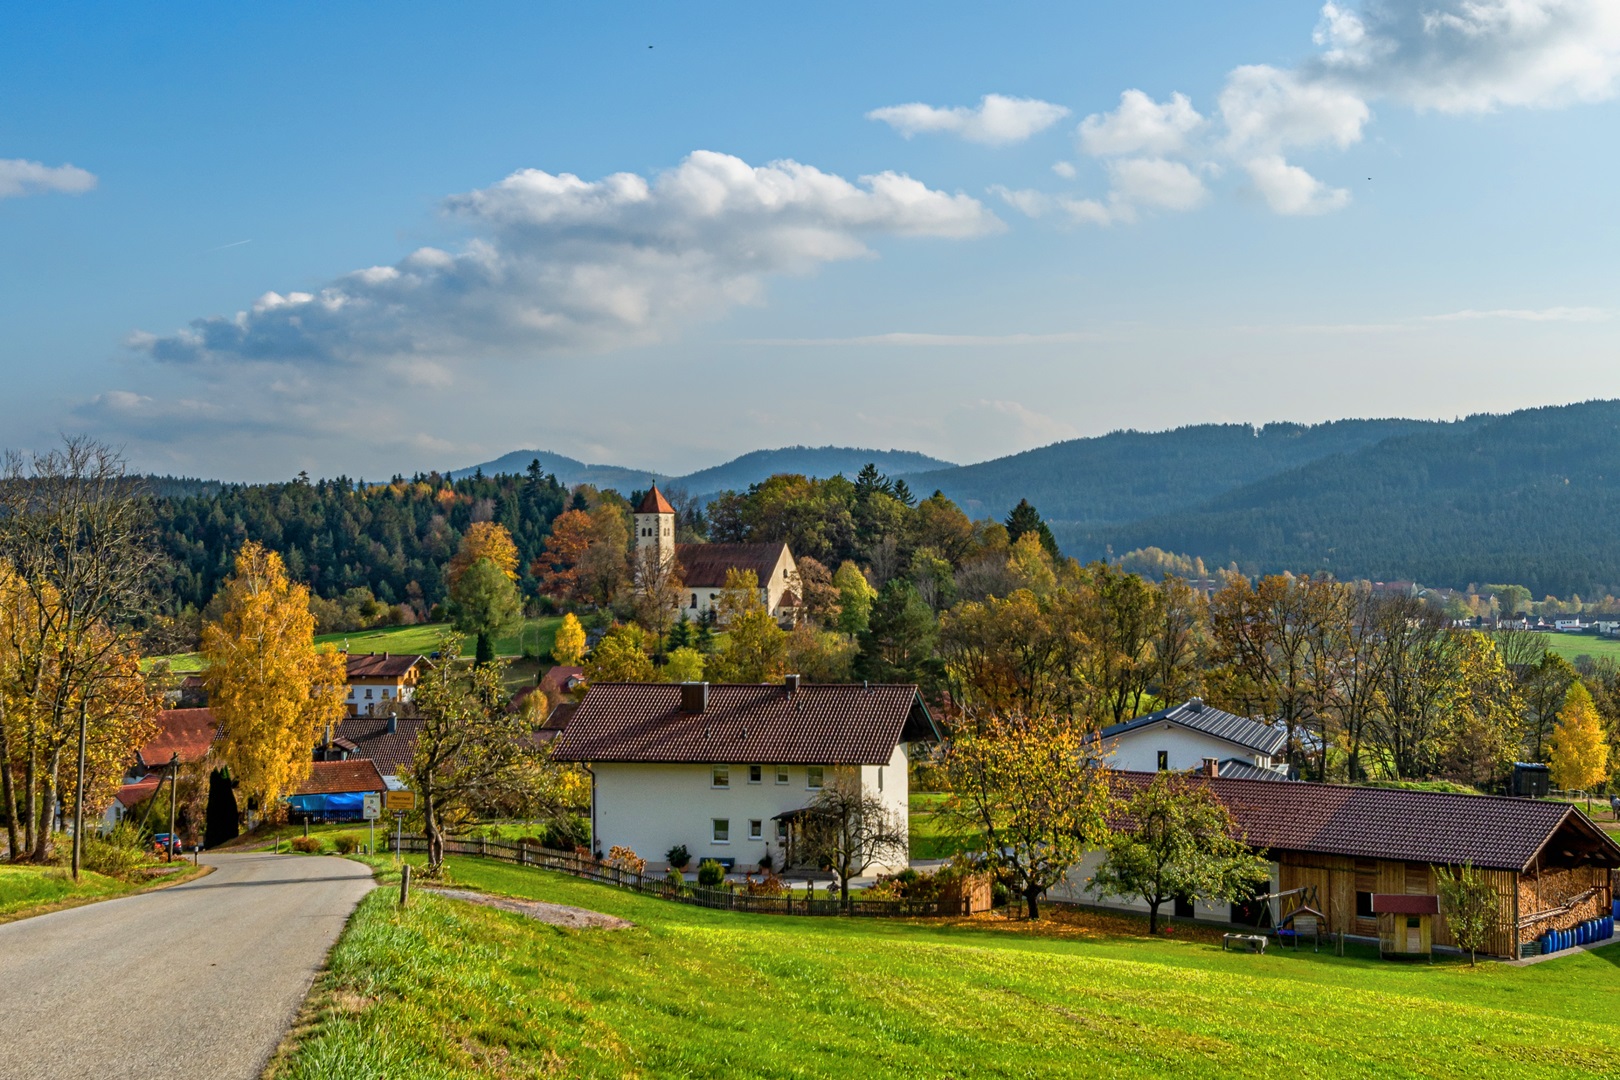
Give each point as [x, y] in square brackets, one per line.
[1026, 519]
[898, 642]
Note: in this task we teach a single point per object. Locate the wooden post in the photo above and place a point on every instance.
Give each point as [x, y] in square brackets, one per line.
[404, 884]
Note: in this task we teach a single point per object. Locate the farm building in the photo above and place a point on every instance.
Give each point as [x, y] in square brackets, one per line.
[1550, 864]
[1191, 735]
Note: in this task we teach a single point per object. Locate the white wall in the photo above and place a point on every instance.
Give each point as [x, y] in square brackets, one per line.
[360, 705]
[1077, 888]
[771, 590]
[1138, 750]
[651, 808]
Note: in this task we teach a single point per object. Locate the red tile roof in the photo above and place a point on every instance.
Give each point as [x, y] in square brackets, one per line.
[342, 777]
[367, 666]
[821, 724]
[654, 503]
[557, 681]
[1492, 832]
[136, 792]
[371, 739]
[187, 732]
[704, 566]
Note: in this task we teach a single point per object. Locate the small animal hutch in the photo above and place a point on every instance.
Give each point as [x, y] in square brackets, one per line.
[1405, 924]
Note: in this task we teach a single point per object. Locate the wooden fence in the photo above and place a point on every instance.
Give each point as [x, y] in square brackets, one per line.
[582, 866]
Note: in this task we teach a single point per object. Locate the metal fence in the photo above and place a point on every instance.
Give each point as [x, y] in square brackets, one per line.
[582, 866]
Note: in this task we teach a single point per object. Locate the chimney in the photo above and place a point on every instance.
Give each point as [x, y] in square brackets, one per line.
[1195, 705]
[694, 698]
[791, 682]
[393, 724]
[1212, 767]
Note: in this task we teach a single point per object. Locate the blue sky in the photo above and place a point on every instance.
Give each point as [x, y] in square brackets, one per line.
[791, 227]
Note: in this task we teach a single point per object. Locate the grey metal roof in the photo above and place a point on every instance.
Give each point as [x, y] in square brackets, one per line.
[1238, 769]
[1241, 731]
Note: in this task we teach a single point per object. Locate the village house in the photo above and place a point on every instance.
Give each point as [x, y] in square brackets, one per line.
[1194, 735]
[387, 741]
[185, 737]
[336, 790]
[380, 681]
[703, 567]
[1355, 848]
[723, 770]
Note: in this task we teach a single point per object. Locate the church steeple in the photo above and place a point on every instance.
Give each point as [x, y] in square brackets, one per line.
[655, 526]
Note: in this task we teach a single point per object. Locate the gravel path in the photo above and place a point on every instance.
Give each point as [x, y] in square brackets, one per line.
[574, 918]
[197, 981]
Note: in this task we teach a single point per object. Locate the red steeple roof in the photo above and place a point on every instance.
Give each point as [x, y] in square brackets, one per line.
[655, 503]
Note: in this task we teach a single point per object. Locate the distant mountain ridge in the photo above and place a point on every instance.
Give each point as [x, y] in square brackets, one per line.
[736, 474]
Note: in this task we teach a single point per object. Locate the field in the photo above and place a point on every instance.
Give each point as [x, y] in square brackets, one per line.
[1570, 646]
[536, 635]
[445, 988]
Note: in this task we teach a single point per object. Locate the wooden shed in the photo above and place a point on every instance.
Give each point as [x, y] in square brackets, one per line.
[1549, 863]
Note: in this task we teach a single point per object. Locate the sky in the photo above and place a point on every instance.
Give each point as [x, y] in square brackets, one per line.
[241, 241]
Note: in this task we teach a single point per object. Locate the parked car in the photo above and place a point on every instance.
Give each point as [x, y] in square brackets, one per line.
[167, 843]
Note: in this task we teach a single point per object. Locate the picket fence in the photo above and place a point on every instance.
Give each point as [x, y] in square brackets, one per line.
[581, 866]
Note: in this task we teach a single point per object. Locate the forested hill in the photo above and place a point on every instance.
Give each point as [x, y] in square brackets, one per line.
[568, 471]
[1532, 497]
[1126, 476]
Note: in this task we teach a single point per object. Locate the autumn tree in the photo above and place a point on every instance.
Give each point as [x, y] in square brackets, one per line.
[1175, 840]
[756, 647]
[1034, 794]
[1471, 906]
[271, 689]
[484, 602]
[621, 656]
[483, 540]
[855, 596]
[1580, 753]
[682, 665]
[848, 828]
[568, 647]
[1025, 519]
[472, 754]
[657, 591]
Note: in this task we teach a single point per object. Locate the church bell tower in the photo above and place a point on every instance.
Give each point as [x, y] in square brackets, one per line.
[655, 527]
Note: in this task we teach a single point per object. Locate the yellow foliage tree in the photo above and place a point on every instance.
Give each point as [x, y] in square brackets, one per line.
[271, 690]
[484, 540]
[568, 648]
[1580, 753]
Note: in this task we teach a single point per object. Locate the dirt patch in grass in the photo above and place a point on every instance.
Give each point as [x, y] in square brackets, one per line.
[1080, 923]
[572, 918]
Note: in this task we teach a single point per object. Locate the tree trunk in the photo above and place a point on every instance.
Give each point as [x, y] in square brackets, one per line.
[435, 836]
[31, 809]
[78, 795]
[1153, 916]
[47, 809]
[1032, 898]
[8, 792]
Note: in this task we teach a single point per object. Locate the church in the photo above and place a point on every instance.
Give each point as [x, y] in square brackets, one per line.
[703, 567]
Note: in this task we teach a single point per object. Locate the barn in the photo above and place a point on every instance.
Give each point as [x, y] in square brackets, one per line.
[1550, 864]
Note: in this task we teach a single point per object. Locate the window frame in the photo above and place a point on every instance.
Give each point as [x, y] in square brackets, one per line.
[756, 828]
[720, 830]
[815, 777]
[1164, 761]
[782, 776]
[720, 777]
[756, 774]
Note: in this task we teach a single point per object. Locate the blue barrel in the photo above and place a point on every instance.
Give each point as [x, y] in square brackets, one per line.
[1545, 941]
[1557, 942]
[1585, 934]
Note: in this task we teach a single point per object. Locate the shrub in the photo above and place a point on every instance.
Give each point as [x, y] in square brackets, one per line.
[625, 859]
[675, 882]
[309, 845]
[711, 874]
[678, 857]
[119, 854]
[999, 896]
[767, 862]
[769, 885]
[347, 843]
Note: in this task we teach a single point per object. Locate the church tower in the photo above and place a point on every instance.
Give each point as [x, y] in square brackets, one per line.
[655, 527]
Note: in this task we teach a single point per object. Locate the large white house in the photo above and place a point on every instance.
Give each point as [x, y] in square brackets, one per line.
[723, 769]
[703, 567]
[1197, 736]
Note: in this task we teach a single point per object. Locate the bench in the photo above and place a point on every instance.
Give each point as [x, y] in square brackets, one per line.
[1254, 942]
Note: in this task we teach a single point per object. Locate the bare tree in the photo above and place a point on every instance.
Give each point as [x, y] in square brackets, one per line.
[849, 828]
[72, 529]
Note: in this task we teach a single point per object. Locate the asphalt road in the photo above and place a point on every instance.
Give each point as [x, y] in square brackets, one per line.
[199, 980]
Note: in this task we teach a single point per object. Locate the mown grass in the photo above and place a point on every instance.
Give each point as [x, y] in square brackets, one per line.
[446, 988]
[1572, 646]
[537, 635]
[34, 890]
[930, 839]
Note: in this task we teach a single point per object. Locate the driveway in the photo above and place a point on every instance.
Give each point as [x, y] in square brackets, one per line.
[199, 980]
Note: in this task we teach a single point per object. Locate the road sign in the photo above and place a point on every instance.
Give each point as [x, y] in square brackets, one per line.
[371, 806]
[398, 801]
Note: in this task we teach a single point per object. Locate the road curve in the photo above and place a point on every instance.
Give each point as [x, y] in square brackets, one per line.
[199, 980]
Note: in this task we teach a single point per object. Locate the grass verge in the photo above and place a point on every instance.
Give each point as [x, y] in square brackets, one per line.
[448, 989]
[26, 891]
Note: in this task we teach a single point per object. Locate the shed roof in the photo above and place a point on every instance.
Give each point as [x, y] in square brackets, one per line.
[818, 724]
[1492, 832]
[704, 566]
[136, 791]
[1255, 735]
[186, 732]
[342, 777]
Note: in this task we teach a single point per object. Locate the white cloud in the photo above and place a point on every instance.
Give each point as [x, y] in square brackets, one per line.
[1290, 190]
[19, 177]
[1065, 169]
[1552, 314]
[1140, 126]
[996, 120]
[557, 262]
[1157, 183]
[1269, 108]
[908, 339]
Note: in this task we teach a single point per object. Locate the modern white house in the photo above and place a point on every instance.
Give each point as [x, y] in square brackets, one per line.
[703, 567]
[1194, 735]
[379, 682]
[723, 769]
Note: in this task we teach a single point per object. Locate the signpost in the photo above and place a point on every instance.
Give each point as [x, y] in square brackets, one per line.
[371, 809]
[399, 803]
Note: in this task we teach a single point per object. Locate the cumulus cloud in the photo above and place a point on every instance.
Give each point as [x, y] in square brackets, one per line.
[997, 119]
[19, 177]
[1151, 183]
[1140, 126]
[557, 262]
[1290, 190]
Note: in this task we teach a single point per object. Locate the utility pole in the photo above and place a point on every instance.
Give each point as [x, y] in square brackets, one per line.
[78, 799]
[174, 779]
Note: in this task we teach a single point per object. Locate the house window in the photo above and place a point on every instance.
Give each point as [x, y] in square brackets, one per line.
[812, 777]
[756, 829]
[1164, 760]
[880, 778]
[756, 774]
[385, 693]
[781, 774]
[1364, 905]
[368, 694]
[694, 599]
[720, 776]
[781, 830]
[722, 830]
